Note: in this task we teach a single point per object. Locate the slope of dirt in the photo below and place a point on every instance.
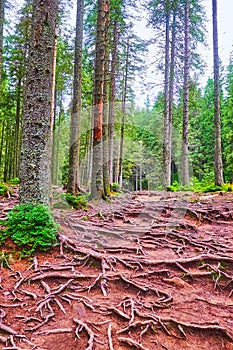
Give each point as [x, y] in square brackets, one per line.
[151, 270]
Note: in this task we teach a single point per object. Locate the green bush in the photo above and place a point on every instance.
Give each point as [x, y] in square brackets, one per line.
[14, 181]
[3, 189]
[32, 227]
[77, 202]
[116, 187]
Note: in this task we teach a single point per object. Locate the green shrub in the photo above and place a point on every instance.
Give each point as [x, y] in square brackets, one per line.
[14, 181]
[116, 187]
[32, 227]
[3, 235]
[3, 189]
[77, 202]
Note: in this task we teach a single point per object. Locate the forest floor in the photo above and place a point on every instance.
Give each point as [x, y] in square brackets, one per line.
[150, 270]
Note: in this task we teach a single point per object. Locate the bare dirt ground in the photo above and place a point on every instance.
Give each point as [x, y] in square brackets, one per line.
[146, 271]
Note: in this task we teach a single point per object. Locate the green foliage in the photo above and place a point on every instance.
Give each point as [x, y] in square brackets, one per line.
[3, 189]
[3, 235]
[204, 186]
[116, 187]
[31, 227]
[77, 202]
[14, 181]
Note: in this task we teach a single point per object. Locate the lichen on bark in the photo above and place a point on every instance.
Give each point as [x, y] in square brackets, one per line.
[35, 165]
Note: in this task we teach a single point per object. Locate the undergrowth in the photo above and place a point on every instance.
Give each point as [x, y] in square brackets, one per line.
[204, 186]
[77, 202]
[32, 228]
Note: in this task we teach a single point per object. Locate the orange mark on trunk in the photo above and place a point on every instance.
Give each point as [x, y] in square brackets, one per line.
[98, 122]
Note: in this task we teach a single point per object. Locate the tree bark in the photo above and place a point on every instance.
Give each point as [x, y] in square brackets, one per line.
[35, 165]
[218, 166]
[112, 101]
[123, 112]
[171, 81]
[73, 185]
[97, 164]
[2, 6]
[106, 184]
[167, 126]
[185, 162]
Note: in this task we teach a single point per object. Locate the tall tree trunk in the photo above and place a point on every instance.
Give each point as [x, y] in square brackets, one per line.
[167, 127]
[123, 113]
[112, 101]
[218, 166]
[97, 164]
[106, 184]
[2, 6]
[17, 127]
[185, 162]
[171, 83]
[35, 165]
[73, 186]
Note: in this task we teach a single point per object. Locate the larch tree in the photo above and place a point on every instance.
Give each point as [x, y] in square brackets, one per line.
[73, 185]
[35, 164]
[98, 98]
[218, 166]
[185, 161]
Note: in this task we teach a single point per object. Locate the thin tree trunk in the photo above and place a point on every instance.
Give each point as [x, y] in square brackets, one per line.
[112, 101]
[1, 147]
[73, 185]
[2, 6]
[171, 85]
[35, 165]
[167, 127]
[97, 165]
[17, 127]
[123, 113]
[185, 162]
[218, 166]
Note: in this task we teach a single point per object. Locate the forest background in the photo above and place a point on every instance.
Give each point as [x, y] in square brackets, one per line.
[138, 154]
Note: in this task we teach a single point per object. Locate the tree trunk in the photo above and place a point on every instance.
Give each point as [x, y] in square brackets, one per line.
[106, 184]
[218, 166]
[112, 101]
[2, 5]
[123, 113]
[97, 164]
[167, 127]
[185, 162]
[35, 165]
[171, 84]
[73, 186]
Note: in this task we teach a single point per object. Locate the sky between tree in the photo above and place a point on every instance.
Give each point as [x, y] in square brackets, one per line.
[225, 10]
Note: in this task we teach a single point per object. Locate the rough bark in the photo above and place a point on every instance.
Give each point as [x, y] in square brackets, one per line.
[185, 162]
[167, 127]
[73, 179]
[218, 166]
[106, 184]
[35, 169]
[97, 164]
